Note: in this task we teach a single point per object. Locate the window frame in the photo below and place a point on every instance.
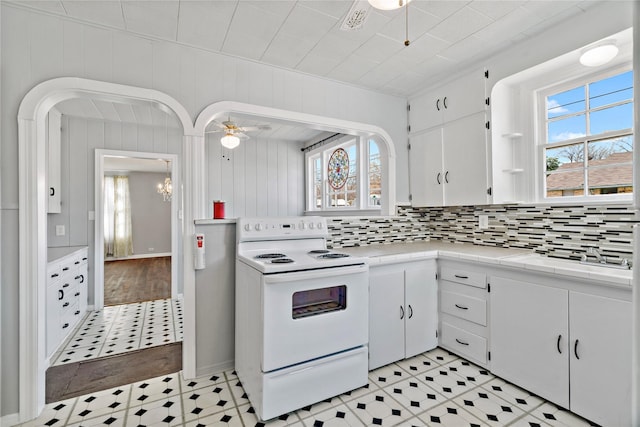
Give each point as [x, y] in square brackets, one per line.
[541, 144]
[323, 152]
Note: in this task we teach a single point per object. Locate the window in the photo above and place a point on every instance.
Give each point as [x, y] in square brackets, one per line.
[347, 175]
[587, 144]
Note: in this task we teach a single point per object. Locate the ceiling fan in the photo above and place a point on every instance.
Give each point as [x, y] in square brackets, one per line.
[233, 132]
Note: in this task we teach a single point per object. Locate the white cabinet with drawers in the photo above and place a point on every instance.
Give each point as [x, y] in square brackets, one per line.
[463, 310]
[66, 297]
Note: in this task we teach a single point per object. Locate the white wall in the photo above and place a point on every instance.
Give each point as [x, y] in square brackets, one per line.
[258, 178]
[37, 47]
[150, 214]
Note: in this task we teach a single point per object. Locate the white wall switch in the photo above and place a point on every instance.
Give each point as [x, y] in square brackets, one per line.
[59, 230]
[483, 222]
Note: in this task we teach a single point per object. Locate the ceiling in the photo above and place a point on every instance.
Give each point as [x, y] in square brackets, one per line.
[305, 35]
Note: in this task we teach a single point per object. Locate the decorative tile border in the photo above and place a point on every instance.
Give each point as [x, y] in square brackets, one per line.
[555, 231]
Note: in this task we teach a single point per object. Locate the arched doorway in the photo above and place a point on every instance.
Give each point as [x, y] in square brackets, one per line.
[32, 213]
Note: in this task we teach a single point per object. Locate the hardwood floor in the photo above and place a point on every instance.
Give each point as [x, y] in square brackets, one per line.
[76, 379]
[136, 280]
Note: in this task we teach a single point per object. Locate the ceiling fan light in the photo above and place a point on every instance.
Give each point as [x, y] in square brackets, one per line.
[230, 141]
[388, 4]
[599, 54]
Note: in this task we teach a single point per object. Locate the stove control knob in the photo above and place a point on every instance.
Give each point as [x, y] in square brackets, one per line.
[259, 227]
[302, 225]
[319, 226]
[247, 227]
[311, 225]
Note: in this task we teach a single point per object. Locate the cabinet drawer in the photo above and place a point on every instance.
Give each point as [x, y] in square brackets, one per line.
[465, 307]
[464, 343]
[466, 277]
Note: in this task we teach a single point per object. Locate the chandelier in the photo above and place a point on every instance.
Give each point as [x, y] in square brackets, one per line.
[166, 189]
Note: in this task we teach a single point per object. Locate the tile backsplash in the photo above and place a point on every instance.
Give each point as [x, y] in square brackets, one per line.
[555, 231]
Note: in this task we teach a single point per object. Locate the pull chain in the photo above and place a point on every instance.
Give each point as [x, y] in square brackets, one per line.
[406, 39]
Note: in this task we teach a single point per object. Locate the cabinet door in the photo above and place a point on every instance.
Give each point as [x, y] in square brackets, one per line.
[54, 124]
[421, 304]
[425, 169]
[52, 314]
[530, 337]
[601, 360]
[464, 97]
[465, 161]
[427, 111]
[386, 317]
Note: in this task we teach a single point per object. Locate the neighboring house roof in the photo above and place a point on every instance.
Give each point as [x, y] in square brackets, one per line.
[613, 171]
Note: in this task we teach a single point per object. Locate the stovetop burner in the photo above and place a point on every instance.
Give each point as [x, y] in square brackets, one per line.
[282, 261]
[319, 251]
[270, 256]
[333, 255]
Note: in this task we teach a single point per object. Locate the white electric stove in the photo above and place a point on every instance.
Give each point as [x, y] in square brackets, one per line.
[302, 314]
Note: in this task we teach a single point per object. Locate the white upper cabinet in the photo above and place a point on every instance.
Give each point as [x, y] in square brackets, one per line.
[448, 164]
[448, 158]
[457, 99]
[54, 125]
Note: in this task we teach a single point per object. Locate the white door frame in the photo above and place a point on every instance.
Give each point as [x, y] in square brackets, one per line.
[98, 268]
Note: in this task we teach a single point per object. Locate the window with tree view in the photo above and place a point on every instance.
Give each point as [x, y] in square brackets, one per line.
[589, 139]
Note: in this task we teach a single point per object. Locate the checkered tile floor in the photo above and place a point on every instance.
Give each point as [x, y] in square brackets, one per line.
[432, 389]
[121, 328]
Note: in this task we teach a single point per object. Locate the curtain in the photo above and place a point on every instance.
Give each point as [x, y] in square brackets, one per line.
[118, 239]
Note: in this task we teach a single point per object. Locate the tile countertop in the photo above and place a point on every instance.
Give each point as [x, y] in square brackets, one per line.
[515, 258]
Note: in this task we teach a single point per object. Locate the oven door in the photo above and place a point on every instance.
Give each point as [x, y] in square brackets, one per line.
[311, 314]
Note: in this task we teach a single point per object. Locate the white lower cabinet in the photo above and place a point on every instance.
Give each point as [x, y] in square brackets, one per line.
[66, 297]
[403, 311]
[569, 347]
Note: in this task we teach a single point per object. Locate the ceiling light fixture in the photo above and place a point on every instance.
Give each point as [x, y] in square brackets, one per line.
[599, 54]
[166, 189]
[230, 141]
[388, 4]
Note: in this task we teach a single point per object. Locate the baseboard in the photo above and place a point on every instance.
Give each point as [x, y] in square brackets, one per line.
[215, 369]
[138, 256]
[9, 420]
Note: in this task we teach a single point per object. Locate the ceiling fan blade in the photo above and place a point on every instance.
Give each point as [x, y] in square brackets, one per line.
[218, 124]
[241, 135]
[255, 128]
[215, 131]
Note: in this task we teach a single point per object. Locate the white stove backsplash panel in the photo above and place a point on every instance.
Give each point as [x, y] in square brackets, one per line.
[554, 231]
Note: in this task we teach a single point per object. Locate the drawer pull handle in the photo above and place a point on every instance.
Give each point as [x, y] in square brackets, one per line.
[54, 275]
[84, 258]
[76, 313]
[65, 326]
[77, 294]
[410, 311]
[438, 105]
[558, 344]
[462, 307]
[82, 278]
[460, 276]
[66, 304]
[60, 294]
[575, 349]
[65, 269]
[401, 312]
[438, 178]
[461, 342]
[77, 262]
[52, 191]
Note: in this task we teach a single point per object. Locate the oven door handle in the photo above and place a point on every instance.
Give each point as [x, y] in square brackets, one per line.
[313, 274]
